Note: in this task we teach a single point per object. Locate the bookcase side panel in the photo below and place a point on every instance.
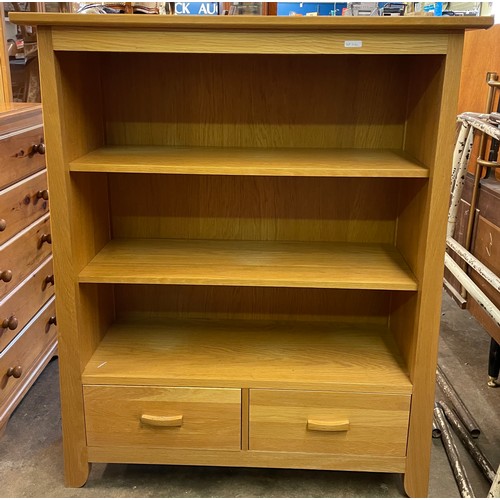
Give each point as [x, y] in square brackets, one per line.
[72, 127]
[425, 256]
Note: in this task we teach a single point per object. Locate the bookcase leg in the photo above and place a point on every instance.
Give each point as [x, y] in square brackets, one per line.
[76, 475]
[415, 485]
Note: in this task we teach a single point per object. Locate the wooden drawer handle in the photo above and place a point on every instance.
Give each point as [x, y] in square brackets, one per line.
[44, 194]
[15, 371]
[45, 238]
[3, 224]
[155, 421]
[6, 275]
[10, 323]
[48, 280]
[52, 321]
[328, 425]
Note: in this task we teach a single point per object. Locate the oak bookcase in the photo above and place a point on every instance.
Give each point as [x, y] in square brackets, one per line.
[248, 232]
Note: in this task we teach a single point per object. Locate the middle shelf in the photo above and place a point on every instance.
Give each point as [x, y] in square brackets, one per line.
[364, 266]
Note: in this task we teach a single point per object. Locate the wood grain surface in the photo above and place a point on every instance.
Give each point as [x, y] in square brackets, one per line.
[250, 263]
[250, 354]
[307, 162]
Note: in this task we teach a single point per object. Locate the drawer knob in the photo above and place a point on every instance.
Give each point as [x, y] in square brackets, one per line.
[3, 224]
[52, 321]
[15, 371]
[44, 194]
[155, 421]
[328, 425]
[45, 238]
[48, 280]
[6, 275]
[10, 323]
[38, 148]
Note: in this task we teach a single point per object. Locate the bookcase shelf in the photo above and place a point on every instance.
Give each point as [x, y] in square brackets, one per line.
[306, 162]
[248, 225]
[250, 263]
[258, 354]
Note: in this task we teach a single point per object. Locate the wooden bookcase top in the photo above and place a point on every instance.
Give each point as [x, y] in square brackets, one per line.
[253, 22]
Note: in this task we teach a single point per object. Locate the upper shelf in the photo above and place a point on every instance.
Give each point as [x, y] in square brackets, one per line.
[250, 161]
[253, 22]
[363, 266]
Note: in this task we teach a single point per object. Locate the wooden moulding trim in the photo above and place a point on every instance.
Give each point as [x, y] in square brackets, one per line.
[254, 22]
[147, 455]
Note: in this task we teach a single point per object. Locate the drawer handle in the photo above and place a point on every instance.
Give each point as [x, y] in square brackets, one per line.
[328, 425]
[10, 323]
[6, 275]
[44, 194]
[15, 371]
[3, 224]
[38, 148]
[45, 238]
[48, 280]
[155, 421]
[52, 321]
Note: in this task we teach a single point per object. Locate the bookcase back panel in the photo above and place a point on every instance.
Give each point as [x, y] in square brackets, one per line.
[255, 101]
[253, 208]
[228, 302]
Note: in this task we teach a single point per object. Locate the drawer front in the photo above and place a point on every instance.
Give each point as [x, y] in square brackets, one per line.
[169, 417]
[22, 254]
[20, 355]
[23, 303]
[328, 422]
[23, 203]
[18, 156]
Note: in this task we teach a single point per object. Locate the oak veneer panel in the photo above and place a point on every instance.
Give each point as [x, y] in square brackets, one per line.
[228, 302]
[211, 418]
[253, 208]
[307, 162]
[250, 101]
[209, 353]
[423, 24]
[377, 423]
[250, 263]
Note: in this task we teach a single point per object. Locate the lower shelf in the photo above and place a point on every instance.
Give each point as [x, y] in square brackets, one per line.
[250, 354]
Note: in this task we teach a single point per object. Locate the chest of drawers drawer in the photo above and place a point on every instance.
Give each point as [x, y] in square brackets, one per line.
[329, 422]
[22, 304]
[23, 203]
[18, 358]
[21, 154]
[22, 254]
[169, 417]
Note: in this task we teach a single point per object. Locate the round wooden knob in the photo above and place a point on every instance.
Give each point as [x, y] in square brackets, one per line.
[10, 323]
[15, 371]
[39, 148]
[3, 224]
[45, 238]
[6, 275]
[44, 194]
[48, 280]
[52, 320]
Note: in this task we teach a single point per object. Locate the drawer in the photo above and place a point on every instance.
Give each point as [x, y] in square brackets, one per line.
[20, 355]
[22, 254]
[20, 155]
[169, 417]
[17, 308]
[329, 422]
[23, 203]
